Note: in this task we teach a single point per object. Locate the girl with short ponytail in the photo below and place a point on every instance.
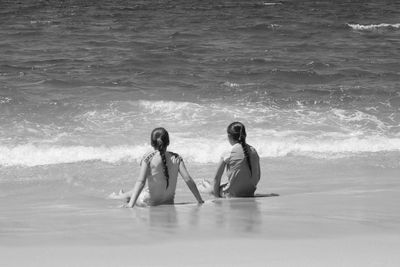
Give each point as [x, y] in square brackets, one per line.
[242, 165]
[160, 169]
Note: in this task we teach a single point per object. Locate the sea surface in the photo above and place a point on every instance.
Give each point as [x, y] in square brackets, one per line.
[89, 80]
[83, 83]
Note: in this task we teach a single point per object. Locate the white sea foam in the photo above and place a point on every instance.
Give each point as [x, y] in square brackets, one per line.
[232, 85]
[204, 151]
[351, 118]
[122, 117]
[373, 26]
[5, 100]
[326, 148]
[271, 4]
[168, 106]
[35, 155]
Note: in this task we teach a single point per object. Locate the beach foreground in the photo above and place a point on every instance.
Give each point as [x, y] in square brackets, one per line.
[335, 214]
[378, 250]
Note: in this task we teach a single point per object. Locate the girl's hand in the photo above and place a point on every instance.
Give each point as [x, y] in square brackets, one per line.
[113, 195]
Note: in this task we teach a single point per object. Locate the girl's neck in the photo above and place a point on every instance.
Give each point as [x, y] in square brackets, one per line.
[233, 142]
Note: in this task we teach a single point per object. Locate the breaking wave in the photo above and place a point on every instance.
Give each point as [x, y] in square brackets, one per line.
[205, 151]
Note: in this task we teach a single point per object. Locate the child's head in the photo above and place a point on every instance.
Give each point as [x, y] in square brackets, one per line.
[159, 139]
[237, 132]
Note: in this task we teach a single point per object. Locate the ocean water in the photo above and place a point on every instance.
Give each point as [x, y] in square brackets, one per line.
[88, 80]
[83, 83]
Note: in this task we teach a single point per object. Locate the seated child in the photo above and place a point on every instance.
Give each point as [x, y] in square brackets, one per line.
[242, 165]
[160, 169]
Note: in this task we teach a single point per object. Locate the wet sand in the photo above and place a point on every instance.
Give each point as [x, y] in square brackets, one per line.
[325, 216]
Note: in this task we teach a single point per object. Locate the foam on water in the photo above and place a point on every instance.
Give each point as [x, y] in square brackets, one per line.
[327, 148]
[118, 131]
[271, 3]
[35, 155]
[370, 27]
[204, 151]
[172, 110]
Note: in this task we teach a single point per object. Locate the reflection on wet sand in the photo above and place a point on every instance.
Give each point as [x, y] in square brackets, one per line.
[227, 217]
[239, 216]
[162, 219]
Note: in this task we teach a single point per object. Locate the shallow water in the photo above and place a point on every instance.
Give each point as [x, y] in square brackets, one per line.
[312, 200]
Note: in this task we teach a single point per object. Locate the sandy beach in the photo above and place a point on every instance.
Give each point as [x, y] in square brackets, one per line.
[323, 221]
[378, 250]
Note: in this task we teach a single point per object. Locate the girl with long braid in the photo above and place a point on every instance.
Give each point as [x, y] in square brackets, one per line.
[160, 169]
[242, 165]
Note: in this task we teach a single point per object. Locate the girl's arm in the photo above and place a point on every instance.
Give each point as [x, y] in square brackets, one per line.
[217, 178]
[189, 181]
[137, 189]
[258, 168]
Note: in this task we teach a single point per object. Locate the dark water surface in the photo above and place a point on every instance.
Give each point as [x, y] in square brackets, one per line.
[88, 80]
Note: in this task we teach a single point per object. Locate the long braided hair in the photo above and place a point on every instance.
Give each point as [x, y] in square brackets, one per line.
[238, 133]
[160, 140]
